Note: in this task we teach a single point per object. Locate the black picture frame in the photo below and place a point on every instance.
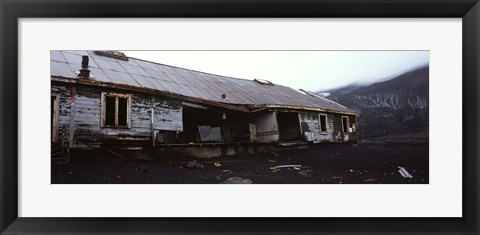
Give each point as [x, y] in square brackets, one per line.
[11, 11]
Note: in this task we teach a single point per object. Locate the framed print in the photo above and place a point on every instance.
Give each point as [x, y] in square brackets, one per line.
[324, 113]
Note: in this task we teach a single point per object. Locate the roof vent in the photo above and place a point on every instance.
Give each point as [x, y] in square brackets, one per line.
[262, 81]
[113, 54]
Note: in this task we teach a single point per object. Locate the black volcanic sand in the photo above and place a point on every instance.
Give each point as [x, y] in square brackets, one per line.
[365, 163]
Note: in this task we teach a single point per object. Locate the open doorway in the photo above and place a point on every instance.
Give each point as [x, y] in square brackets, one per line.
[288, 126]
[201, 125]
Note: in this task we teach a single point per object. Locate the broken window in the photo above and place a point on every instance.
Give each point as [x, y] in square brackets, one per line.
[323, 123]
[345, 124]
[115, 110]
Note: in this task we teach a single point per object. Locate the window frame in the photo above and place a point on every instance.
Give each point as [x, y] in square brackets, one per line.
[103, 110]
[320, 123]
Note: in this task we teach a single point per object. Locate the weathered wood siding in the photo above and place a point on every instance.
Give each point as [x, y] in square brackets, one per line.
[87, 116]
[167, 115]
[64, 94]
[266, 126]
[310, 122]
[339, 134]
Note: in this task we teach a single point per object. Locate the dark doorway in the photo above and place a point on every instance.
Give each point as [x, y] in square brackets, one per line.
[288, 126]
[345, 125]
[201, 125]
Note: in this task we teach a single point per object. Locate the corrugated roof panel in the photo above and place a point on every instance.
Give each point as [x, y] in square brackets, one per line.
[110, 65]
[95, 56]
[121, 78]
[144, 81]
[146, 65]
[171, 87]
[272, 99]
[163, 68]
[186, 90]
[134, 69]
[57, 56]
[211, 94]
[185, 78]
[242, 98]
[61, 69]
[158, 75]
[203, 83]
[212, 85]
[234, 98]
[99, 75]
[205, 77]
[76, 59]
[158, 84]
[178, 79]
[197, 93]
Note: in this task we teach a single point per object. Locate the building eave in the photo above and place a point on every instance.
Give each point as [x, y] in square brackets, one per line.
[274, 106]
[148, 91]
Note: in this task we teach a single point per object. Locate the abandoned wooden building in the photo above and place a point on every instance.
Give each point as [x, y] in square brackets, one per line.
[104, 98]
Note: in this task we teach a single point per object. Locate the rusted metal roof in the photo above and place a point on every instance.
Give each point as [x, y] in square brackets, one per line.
[195, 84]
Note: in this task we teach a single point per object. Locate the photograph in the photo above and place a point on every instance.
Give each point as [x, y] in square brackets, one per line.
[239, 117]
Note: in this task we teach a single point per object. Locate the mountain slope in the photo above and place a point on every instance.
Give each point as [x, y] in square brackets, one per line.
[394, 107]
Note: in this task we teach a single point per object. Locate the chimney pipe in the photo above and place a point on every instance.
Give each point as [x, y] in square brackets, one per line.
[84, 72]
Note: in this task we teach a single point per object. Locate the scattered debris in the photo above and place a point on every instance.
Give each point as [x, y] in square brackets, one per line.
[237, 180]
[217, 164]
[218, 178]
[370, 180]
[257, 172]
[116, 154]
[204, 178]
[284, 166]
[297, 168]
[275, 154]
[306, 173]
[275, 170]
[226, 170]
[132, 148]
[404, 172]
[351, 170]
[337, 177]
[271, 161]
[287, 144]
[194, 165]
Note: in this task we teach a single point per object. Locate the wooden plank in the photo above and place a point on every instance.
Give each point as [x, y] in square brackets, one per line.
[72, 125]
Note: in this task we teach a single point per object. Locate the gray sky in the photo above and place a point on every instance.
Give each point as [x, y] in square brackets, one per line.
[309, 70]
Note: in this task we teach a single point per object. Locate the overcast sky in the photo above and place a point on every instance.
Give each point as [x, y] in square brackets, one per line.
[309, 70]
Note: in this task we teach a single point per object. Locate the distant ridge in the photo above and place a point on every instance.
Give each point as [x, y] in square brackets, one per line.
[398, 106]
